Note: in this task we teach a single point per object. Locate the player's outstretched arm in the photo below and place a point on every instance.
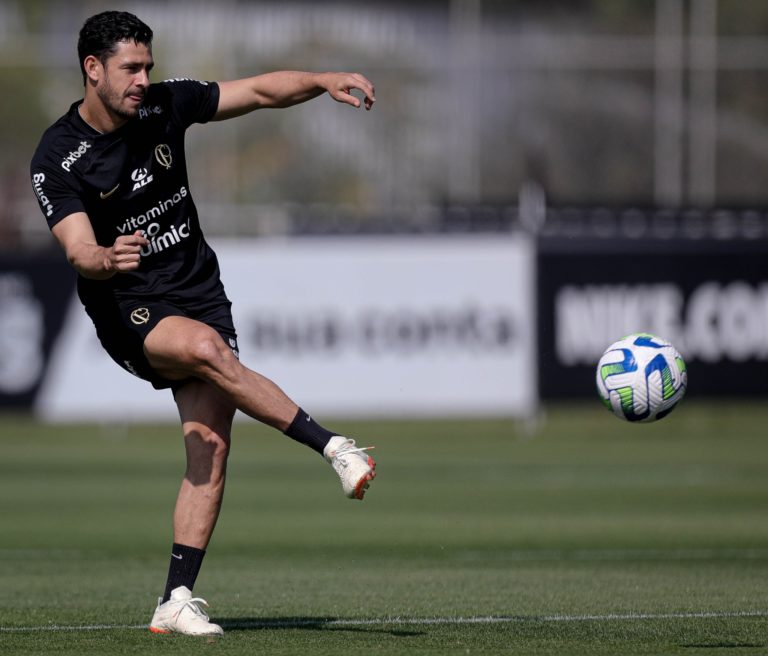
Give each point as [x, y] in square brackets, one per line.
[90, 260]
[287, 88]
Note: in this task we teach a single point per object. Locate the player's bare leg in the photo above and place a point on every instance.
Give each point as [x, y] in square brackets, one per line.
[179, 347]
[206, 418]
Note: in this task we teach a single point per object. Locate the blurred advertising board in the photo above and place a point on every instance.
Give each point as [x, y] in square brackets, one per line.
[35, 291]
[349, 326]
[709, 297]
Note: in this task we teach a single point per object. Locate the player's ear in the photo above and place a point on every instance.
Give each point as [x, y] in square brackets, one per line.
[93, 69]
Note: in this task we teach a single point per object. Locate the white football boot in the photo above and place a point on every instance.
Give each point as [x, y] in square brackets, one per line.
[355, 469]
[182, 613]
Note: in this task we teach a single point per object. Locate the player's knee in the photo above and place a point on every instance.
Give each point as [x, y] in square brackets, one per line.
[209, 353]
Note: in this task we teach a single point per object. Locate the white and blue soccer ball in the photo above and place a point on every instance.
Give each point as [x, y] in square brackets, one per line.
[641, 378]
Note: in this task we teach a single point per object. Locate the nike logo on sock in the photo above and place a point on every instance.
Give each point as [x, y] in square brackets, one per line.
[177, 557]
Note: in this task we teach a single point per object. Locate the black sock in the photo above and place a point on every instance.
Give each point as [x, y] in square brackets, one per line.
[306, 430]
[184, 568]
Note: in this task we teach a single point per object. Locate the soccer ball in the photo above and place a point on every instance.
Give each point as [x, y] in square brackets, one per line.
[641, 378]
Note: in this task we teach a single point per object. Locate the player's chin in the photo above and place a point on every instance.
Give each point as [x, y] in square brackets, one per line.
[128, 110]
[131, 105]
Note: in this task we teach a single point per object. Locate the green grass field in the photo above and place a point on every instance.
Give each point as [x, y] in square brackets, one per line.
[583, 536]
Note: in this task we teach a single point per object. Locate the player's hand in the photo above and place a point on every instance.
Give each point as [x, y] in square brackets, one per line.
[340, 85]
[125, 254]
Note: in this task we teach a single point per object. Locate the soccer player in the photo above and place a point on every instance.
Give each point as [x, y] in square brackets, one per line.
[110, 176]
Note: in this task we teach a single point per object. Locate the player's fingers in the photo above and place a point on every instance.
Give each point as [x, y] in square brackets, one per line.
[346, 82]
[127, 261]
[345, 96]
[366, 86]
[140, 238]
[131, 243]
[126, 248]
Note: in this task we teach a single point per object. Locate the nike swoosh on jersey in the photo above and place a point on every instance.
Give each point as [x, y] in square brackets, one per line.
[104, 195]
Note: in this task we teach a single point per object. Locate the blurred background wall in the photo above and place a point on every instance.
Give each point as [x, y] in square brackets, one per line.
[621, 143]
[594, 101]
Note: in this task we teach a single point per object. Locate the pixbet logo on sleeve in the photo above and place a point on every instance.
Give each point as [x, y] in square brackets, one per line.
[74, 155]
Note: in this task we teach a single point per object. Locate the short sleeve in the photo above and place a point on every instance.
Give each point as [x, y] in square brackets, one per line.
[193, 101]
[55, 193]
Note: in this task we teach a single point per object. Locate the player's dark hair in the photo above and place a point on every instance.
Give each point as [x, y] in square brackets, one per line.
[101, 33]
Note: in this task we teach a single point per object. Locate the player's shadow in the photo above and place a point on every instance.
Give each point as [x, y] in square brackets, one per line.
[312, 624]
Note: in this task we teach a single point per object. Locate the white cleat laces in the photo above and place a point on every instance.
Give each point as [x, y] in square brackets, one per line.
[355, 468]
[183, 613]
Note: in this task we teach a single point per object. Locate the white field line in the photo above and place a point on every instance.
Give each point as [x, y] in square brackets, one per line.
[619, 555]
[650, 554]
[408, 621]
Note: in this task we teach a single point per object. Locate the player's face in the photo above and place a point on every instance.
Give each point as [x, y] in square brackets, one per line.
[126, 79]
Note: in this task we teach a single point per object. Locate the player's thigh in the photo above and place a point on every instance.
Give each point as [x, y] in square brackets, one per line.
[178, 347]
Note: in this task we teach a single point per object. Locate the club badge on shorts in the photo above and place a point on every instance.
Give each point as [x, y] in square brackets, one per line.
[140, 316]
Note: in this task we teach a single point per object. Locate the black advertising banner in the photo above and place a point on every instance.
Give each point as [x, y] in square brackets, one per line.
[35, 292]
[708, 297]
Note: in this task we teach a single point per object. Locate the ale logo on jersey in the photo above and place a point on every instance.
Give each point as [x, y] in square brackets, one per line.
[141, 177]
[140, 316]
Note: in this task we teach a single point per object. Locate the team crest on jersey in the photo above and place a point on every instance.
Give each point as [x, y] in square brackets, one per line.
[141, 178]
[163, 155]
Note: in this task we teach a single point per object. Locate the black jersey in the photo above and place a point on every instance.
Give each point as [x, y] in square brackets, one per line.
[134, 178]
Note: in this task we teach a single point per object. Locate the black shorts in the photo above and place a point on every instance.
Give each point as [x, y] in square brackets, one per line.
[123, 325]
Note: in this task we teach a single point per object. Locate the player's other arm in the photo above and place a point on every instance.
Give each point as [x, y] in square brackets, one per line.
[90, 260]
[287, 88]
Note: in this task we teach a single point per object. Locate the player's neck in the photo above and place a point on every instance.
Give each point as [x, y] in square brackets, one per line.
[98, 116]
